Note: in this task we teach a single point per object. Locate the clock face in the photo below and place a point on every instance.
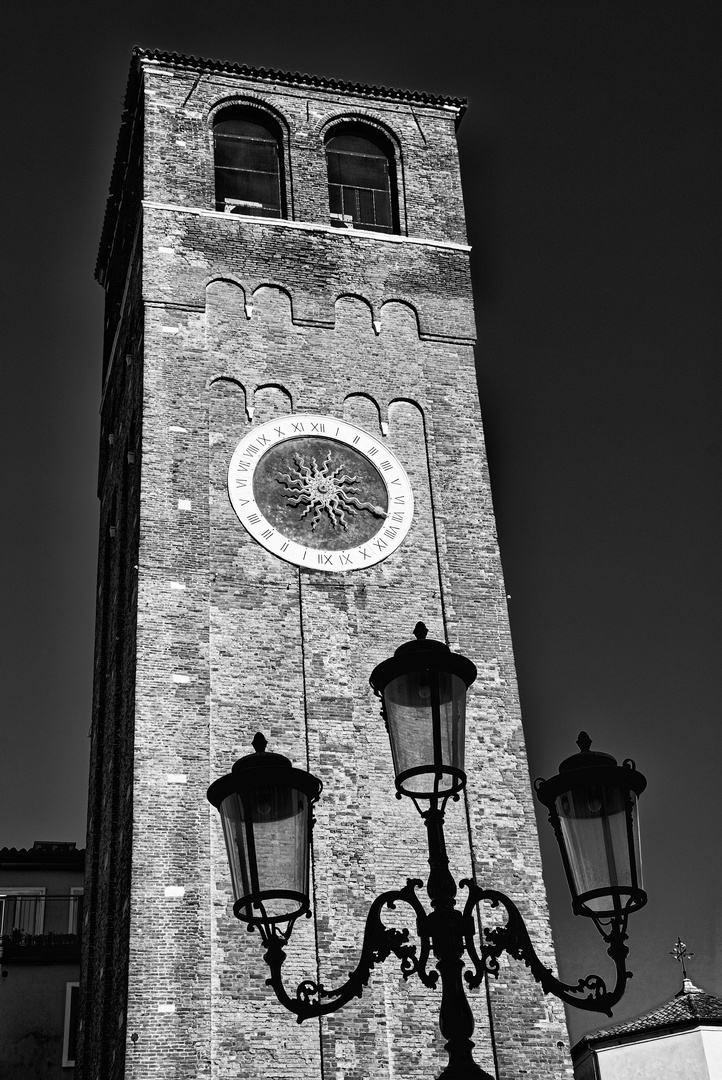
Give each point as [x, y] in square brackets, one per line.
[320, 493]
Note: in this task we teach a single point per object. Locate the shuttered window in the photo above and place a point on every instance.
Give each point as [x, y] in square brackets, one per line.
[248, 167]
[360, 183]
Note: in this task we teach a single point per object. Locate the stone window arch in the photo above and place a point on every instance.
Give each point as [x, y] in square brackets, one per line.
[248, 160]
[362, 188]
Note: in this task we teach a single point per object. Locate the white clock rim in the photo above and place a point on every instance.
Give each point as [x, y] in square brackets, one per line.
[292, 548]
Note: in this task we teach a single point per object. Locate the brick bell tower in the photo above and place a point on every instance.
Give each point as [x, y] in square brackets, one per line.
[288, 309]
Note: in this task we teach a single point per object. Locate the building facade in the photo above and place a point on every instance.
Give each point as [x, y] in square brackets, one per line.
[41, 906]
[292, 475]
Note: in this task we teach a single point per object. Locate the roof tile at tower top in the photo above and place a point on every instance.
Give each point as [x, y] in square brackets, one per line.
[196, 63]
[690, 1007]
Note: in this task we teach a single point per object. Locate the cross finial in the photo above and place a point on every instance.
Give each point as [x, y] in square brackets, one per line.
[679, 952]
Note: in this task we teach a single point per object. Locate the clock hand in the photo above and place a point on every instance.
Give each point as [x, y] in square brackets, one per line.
[376, 510]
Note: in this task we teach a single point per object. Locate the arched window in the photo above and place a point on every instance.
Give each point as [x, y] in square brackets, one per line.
[361, 181]
[247, 151]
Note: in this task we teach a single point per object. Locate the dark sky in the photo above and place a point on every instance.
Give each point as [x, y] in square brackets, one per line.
[591, 165]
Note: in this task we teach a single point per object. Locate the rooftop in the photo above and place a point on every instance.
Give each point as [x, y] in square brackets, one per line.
[294, 78]
[43, 853]
[688, 1008]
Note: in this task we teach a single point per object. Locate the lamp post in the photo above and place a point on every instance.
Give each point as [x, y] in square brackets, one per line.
[266, 812]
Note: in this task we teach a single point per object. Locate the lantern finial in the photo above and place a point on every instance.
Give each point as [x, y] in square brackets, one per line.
[584, 742]
[260, 742]
[420, 631]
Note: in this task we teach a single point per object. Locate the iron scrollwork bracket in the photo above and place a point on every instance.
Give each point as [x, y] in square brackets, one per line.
[513, 938]
[312, 999]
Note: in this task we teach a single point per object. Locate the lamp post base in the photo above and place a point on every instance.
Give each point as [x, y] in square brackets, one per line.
[465, 1070]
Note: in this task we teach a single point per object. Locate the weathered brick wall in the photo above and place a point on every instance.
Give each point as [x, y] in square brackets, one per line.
[179, 152]
[254, 319]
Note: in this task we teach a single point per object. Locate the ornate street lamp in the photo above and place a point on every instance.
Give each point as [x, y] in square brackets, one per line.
[266, 810]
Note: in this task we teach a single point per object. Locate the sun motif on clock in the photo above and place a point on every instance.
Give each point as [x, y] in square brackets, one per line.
[326, 490]
[320, 492]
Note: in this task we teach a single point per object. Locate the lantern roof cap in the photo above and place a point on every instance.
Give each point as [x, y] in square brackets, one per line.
[259, 758]
[422, 642]
[423, 652]
[259, 770]
[589, 767]
[586, 758]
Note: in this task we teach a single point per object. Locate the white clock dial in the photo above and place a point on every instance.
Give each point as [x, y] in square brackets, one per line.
[320, 492]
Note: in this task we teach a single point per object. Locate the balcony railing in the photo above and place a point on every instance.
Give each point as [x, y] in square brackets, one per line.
[40, 929]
